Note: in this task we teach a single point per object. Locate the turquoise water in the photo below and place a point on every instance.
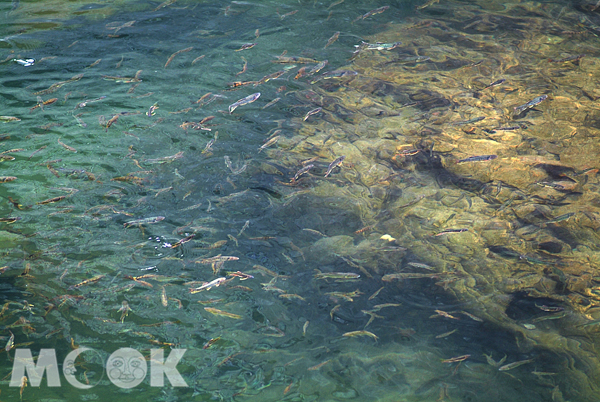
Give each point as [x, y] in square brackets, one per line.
[121, 194]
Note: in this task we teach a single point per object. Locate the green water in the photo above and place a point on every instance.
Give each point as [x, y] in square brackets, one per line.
[520, 282]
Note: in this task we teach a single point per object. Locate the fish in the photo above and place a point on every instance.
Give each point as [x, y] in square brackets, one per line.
[111, 121]
[54, 87]
[556, 316]
[332, 39]
[292, 296]
[492, 362]
[294, 60]
[240, 275]
[87, 282]
[450, 231]
[444, 314]
[208, 148]
[218, 258]
[152, 111]
[478, 158]
[361, 333]
[144, 221]
[9, 220]
[456, 359]
[318, 366]
[495, 83]
[532, 103]
[471, 316]
[508, 128]
[318, 67]
[24, 63]
[246, 224]
[268, 143]
[6, 119]
[407, 275]
[267, 271]
[337, 275]
[560, 218]
[420, 265]
[215, 245]
[52, 200]
[211, 342]
[572, 59]
[164, 4]
[24, 384]
[124, 309]
[332, 165]
[41, 104]
[312, 113]
[85, 102]
[163, 297]
[67, 147]
[125, 80]
[165, 159]
[244, 67]
[550, 184]
[372, 13]
[222, 313]
[6, 179]
[335, 3]
[11, 342]
[269, 77]
[408, 60]
[245, 47]
[511, 366]
[348, 296]
[429, 3]
[378, 46]
[176, 53]
[445, 334]
[182, 241]
[116, 27]
[301, 73]
[543, 307]
[94, 63]
[302, 171]
[9, 151]
[244, 101]
[209, 285]
[335, 74]
[274, 101]
[470, 121]
[128, 178]
[378, 307]
[282, 16]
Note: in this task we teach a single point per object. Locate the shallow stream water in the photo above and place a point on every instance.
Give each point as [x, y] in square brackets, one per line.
[414, 220]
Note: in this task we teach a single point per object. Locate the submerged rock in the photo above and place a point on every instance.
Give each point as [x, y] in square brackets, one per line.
[326, 250]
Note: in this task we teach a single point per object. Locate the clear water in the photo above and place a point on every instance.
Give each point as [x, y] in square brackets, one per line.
[488, 290]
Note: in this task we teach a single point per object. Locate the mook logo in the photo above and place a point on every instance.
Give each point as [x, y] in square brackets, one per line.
[125, 368]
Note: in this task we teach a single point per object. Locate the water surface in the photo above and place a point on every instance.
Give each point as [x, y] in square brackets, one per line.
[452, 255]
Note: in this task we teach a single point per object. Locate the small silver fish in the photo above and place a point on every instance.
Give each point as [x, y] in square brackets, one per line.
[336, 162]
[300, 172]
[268, 143]
[144, 221]
[532, 103]
[311, 113]
[24, 63]
[209, 285]
[335, 74]
[318, 67]
[244, 101]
